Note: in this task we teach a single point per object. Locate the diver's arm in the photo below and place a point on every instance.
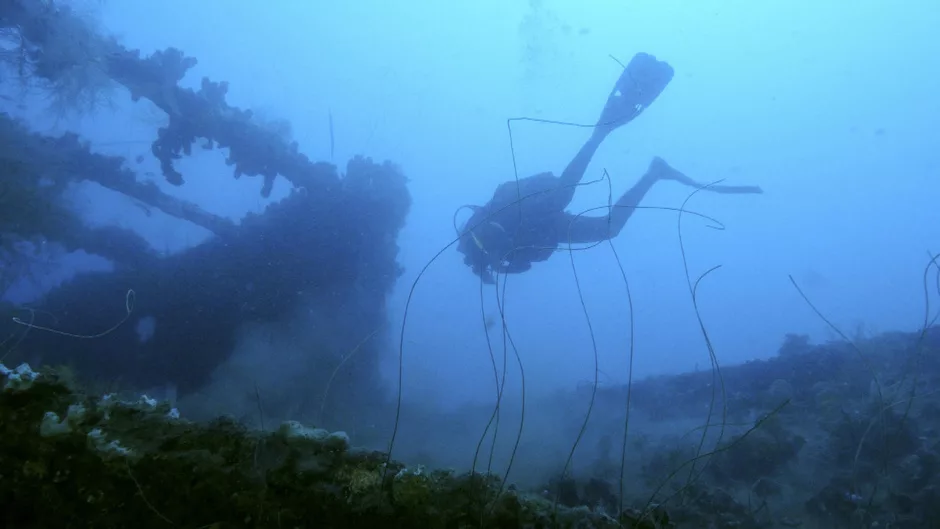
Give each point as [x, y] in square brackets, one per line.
[485, 275]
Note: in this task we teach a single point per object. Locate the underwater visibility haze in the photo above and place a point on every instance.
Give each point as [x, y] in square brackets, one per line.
[469, 264]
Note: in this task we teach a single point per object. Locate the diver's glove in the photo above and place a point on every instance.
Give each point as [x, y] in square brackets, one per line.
[641, 82]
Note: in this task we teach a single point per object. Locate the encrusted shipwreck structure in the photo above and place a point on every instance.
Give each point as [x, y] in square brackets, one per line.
[332, 243]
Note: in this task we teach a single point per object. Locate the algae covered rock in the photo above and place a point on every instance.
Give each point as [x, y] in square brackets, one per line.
[68, 459]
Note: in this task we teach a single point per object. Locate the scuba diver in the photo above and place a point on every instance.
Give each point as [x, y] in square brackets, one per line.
[525, 221]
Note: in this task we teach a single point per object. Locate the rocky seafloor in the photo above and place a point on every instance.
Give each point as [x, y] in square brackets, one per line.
[834, 435]
[72, 460]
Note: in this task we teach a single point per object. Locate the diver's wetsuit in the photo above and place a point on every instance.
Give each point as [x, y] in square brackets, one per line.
[507, 235]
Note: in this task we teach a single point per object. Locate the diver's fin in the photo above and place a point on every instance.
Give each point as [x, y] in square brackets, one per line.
[661, 170]
[641, 82]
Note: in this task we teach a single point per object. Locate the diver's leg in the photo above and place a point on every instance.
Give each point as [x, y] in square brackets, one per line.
[584, 229]
[664, 171]
[639, 85]
[591, 229]
[574, 172]
[641, 82]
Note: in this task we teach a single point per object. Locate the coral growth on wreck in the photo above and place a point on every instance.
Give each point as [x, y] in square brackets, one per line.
[69, 459]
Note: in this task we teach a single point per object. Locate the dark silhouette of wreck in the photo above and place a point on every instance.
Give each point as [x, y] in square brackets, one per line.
[332, 241]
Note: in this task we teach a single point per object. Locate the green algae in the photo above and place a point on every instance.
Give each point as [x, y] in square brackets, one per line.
[73, 460]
